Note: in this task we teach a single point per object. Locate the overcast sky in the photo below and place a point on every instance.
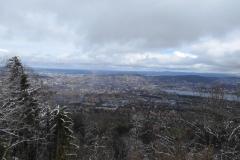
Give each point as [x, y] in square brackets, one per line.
[176, 35]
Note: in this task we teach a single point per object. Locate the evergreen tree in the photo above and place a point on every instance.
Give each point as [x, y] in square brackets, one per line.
[29, 119]
[62, 135]
[21, 111]
[13, 72]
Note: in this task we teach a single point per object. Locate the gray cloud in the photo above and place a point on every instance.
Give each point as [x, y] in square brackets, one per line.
[153, 34]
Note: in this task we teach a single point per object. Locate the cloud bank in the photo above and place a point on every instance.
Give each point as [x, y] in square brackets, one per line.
[189, 35]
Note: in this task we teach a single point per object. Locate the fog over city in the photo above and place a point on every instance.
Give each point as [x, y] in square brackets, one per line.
[171, 35]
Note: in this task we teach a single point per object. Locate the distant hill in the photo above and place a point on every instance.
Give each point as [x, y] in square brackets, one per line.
[189, 78]
[188, 75]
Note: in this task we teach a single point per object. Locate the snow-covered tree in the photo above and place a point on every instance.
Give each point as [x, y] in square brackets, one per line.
[63, 146]
[19, 112]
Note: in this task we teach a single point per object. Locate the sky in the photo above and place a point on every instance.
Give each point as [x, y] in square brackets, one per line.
[156, 35]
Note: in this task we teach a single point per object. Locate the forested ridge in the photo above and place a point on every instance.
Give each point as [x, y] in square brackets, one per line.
[33, 127]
